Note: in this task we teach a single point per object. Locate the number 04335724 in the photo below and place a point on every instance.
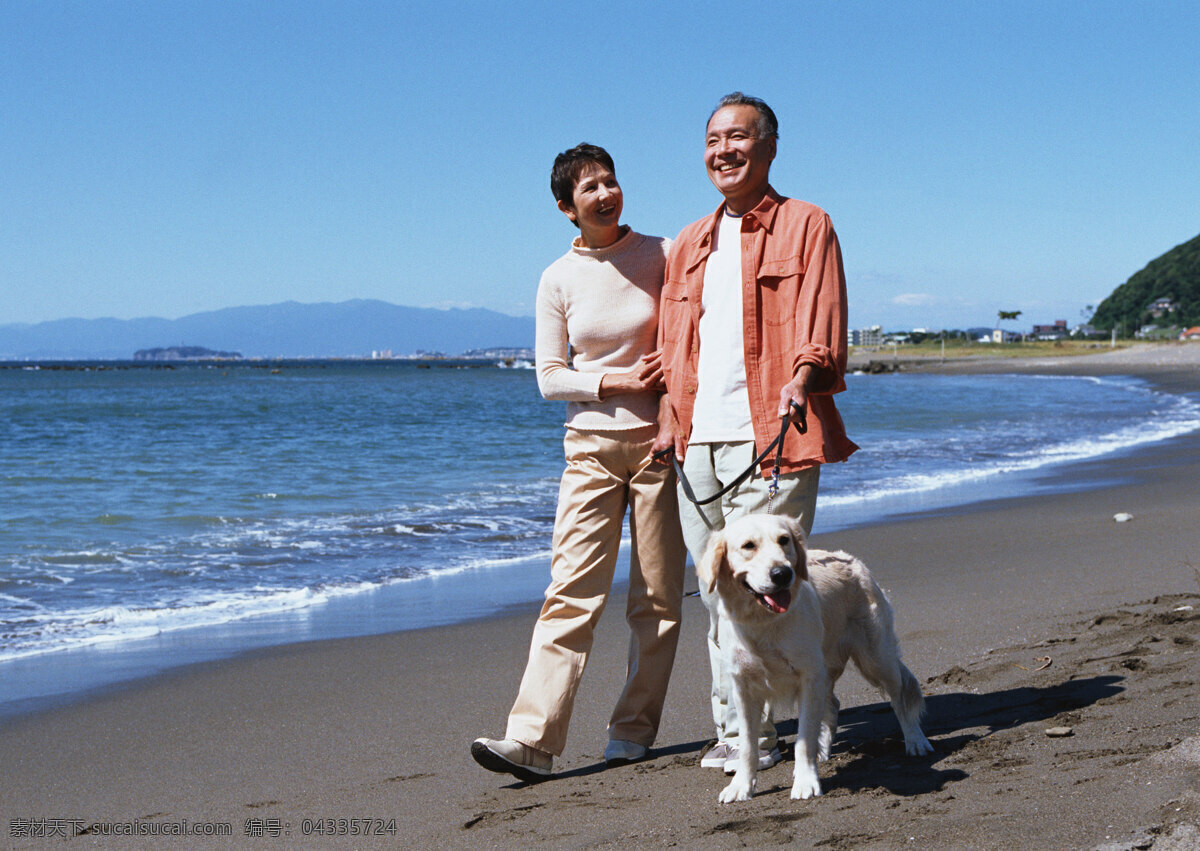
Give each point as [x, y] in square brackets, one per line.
[348, 827]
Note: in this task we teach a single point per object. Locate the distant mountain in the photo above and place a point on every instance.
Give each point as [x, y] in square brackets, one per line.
[346, 329]
[1174, 278]
[184, 353]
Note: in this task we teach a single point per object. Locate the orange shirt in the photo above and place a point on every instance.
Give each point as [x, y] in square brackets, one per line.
[793, 313]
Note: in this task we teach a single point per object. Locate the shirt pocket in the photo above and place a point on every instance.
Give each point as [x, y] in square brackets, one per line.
[676, 311]
[779, 283]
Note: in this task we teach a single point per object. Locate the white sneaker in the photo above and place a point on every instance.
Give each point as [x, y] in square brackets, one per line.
[508, 756]
[621, 752]
[766, 759]
[716, 756]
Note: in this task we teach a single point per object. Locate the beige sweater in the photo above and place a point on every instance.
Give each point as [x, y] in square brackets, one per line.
[604, 303]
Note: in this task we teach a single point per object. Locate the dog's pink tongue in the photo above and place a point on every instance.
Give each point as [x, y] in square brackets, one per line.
[779, 601]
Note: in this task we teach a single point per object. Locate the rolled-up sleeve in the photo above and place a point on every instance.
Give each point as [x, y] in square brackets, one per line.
[822, 330]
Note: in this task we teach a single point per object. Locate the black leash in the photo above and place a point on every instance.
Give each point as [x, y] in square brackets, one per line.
[776, 445]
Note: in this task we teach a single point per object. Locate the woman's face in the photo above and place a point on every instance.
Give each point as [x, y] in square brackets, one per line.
[596, 206]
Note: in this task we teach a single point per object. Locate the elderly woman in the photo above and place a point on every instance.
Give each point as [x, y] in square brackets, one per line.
[601, 297]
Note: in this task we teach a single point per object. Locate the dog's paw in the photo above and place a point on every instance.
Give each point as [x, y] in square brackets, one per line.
[737, 790]
[918, 745]
[805, 783]
[802, 790]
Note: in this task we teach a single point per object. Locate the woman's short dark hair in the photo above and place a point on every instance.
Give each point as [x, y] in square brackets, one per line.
[570, 164]
[768, 124]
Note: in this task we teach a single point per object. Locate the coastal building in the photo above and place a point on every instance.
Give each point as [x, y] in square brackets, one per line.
[1190, 333]
[1051, 332]
[1157, 332]
[872, 336]
[1161, 307]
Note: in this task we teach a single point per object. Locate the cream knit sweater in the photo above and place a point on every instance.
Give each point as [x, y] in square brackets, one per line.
[604, 303]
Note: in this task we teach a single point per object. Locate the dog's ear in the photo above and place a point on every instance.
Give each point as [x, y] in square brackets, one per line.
[713, 560]
[800, 542]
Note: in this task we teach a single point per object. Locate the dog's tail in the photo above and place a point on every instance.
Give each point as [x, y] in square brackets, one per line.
[910, 706]
[906, 695]
[910, 702]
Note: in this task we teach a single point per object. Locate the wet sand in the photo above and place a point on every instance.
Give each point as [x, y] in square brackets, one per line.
[1016, 615]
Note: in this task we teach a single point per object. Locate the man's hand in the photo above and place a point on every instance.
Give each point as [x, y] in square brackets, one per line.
[793, 398]
[668, 439]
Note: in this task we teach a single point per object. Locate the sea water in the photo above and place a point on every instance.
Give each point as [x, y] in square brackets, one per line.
[138, 501]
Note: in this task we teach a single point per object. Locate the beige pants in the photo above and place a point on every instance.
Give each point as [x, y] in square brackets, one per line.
[709, 467]
[606, 473]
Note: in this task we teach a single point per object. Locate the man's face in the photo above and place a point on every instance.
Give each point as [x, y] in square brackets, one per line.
[738, 162]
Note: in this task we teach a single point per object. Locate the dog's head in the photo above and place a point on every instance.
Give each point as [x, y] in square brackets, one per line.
[759, 557]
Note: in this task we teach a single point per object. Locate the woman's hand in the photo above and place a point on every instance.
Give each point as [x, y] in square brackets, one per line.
[644, 378]
[651, 370]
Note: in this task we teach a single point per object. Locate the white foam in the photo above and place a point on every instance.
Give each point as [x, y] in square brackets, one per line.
[473, 564]
[22, 602]
[1185, 420]
[89, 627]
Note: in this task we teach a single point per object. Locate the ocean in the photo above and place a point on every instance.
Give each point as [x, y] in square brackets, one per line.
[155, 507]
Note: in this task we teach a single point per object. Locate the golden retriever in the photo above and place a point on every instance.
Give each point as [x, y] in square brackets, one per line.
[789, 619]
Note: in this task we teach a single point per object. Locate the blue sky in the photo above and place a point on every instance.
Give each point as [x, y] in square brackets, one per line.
[165, 158]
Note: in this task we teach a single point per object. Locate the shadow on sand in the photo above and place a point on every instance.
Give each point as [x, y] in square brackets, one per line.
[868, 752]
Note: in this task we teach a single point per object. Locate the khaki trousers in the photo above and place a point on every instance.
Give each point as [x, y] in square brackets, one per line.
[709, 467]
[606, 473]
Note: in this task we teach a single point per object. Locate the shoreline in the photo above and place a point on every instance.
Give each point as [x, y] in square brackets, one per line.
[63, 675]
[378, 726]
[60, 677]
[1172, 367]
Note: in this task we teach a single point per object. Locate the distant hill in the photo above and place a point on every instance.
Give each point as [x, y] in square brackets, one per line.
[184, 353]
[1174, 276]
[345, 329]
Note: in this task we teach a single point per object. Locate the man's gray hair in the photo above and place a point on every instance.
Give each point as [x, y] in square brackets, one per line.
[768, 124]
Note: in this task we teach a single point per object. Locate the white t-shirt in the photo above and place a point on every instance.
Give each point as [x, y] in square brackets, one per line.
[722, 412]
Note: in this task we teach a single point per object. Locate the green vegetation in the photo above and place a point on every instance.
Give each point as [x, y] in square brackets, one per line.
[1175, 276]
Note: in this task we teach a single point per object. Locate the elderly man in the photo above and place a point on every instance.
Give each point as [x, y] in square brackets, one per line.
[752, 327]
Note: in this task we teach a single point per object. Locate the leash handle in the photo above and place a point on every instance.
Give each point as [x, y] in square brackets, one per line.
[802, 423]
[776, 445]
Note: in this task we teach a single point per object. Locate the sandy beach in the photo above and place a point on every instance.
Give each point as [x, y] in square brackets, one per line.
[1018, 617]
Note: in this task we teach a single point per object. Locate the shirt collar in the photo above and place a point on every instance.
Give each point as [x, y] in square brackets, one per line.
[763, 215]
